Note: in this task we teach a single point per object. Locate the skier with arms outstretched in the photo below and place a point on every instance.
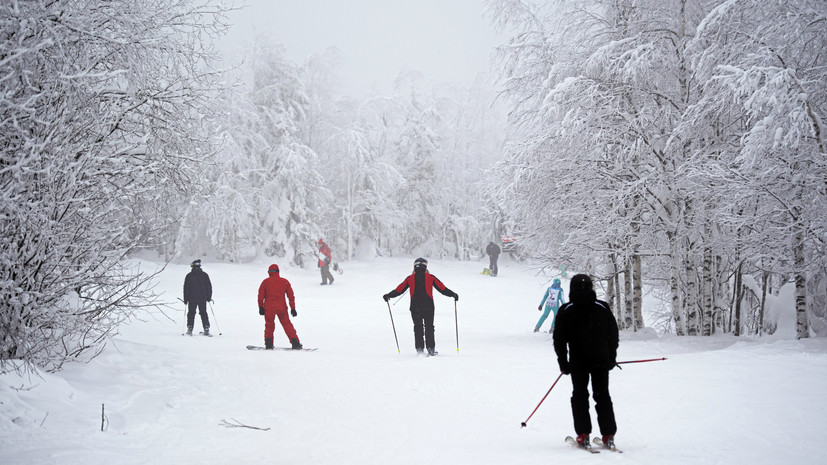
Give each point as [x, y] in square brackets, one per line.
[421, 283]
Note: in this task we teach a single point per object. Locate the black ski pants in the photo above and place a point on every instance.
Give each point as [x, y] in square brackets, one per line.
[423, 320]
[603, 401]
[202, 310]
[492, 264]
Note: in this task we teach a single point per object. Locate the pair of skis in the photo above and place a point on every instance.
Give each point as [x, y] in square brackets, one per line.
[588, 448]
[280, 348]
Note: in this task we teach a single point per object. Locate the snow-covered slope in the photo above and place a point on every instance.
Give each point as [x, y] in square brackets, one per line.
[357, 400]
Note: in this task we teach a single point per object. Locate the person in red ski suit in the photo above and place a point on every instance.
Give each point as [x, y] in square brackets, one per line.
[421, 284]
[271, 304]
[325, 258]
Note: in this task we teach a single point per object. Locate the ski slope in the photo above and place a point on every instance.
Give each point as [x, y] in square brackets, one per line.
[356, 400]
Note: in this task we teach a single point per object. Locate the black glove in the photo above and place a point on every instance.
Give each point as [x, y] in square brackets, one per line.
[327, 261]
[185, 302]
[456, 296]
[540, 307]
[565, 366]
[261, 310]
[610, 366]
[294, 312]
[387, 297]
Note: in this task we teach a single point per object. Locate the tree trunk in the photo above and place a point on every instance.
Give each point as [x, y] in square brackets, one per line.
[707, 289]
[690, 301]
[629, 294]
[801, 328]
[637, 291]
[674, 273]
[739, 294]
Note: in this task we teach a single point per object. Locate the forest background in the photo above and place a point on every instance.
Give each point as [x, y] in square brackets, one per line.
[672, 147]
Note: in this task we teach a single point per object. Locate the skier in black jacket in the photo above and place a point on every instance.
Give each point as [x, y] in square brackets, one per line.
[197, 292]
[586, 340]
[422, 285]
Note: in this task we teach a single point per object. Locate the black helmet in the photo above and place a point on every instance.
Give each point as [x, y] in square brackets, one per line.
[196, 263]
[420, 264]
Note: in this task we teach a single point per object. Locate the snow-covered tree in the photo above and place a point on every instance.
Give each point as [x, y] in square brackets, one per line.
[103, 125]
[683, 138]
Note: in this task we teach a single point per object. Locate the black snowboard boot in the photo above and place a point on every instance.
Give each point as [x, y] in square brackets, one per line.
[296, 344]
[268, 343]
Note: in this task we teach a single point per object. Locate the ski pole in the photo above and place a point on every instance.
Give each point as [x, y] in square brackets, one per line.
[642, 361]
[394, 327]
[184, 330]
[215, 319]
[523, 424]
[400, 297]
[456, 323]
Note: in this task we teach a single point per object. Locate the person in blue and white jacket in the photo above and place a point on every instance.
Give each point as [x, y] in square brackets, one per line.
[552, 300]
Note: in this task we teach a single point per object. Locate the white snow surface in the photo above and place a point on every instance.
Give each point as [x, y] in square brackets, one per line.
[356, 400]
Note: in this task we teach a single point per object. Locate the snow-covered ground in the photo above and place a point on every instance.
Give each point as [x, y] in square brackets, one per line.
[358, 401]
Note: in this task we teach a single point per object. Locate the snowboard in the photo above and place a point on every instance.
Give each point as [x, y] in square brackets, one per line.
[251, 347]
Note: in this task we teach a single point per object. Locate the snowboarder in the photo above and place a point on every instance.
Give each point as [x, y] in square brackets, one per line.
[421, 284]
[585, 341]
[271, 304]
[197, 292]
[493, 251]
[552, 300]
[325, 257]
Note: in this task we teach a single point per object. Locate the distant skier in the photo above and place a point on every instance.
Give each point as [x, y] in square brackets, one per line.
[271, 304]
[586, 341]
[197, 292]
[325, 257]
[421, 284]
[552, 300]
[493, 251]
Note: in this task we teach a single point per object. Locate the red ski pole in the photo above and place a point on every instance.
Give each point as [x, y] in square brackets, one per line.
[642, 361]
[523, 424]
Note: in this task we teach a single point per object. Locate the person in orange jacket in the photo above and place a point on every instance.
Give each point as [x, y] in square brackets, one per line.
[271, 304]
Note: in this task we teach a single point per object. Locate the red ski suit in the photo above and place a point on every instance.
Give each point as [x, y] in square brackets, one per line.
[271, 296]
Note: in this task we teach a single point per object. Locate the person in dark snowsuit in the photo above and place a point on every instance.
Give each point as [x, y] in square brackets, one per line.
[197, 292]
[421, 283]
[271, 304]
[586, 341]
[493, 251]
[325, 257]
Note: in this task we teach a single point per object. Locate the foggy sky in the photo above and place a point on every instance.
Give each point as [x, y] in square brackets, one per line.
[446, 40]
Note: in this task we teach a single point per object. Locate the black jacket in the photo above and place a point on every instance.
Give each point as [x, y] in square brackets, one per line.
[493, 249]
[585, 334]
[197, 286]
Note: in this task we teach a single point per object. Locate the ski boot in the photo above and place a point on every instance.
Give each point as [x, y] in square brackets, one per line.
[583, 441]
[536, 329]
[296, 345]
[268, 343]
[206, 331]
[609, 441]
[432, 352]
[189, 331]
